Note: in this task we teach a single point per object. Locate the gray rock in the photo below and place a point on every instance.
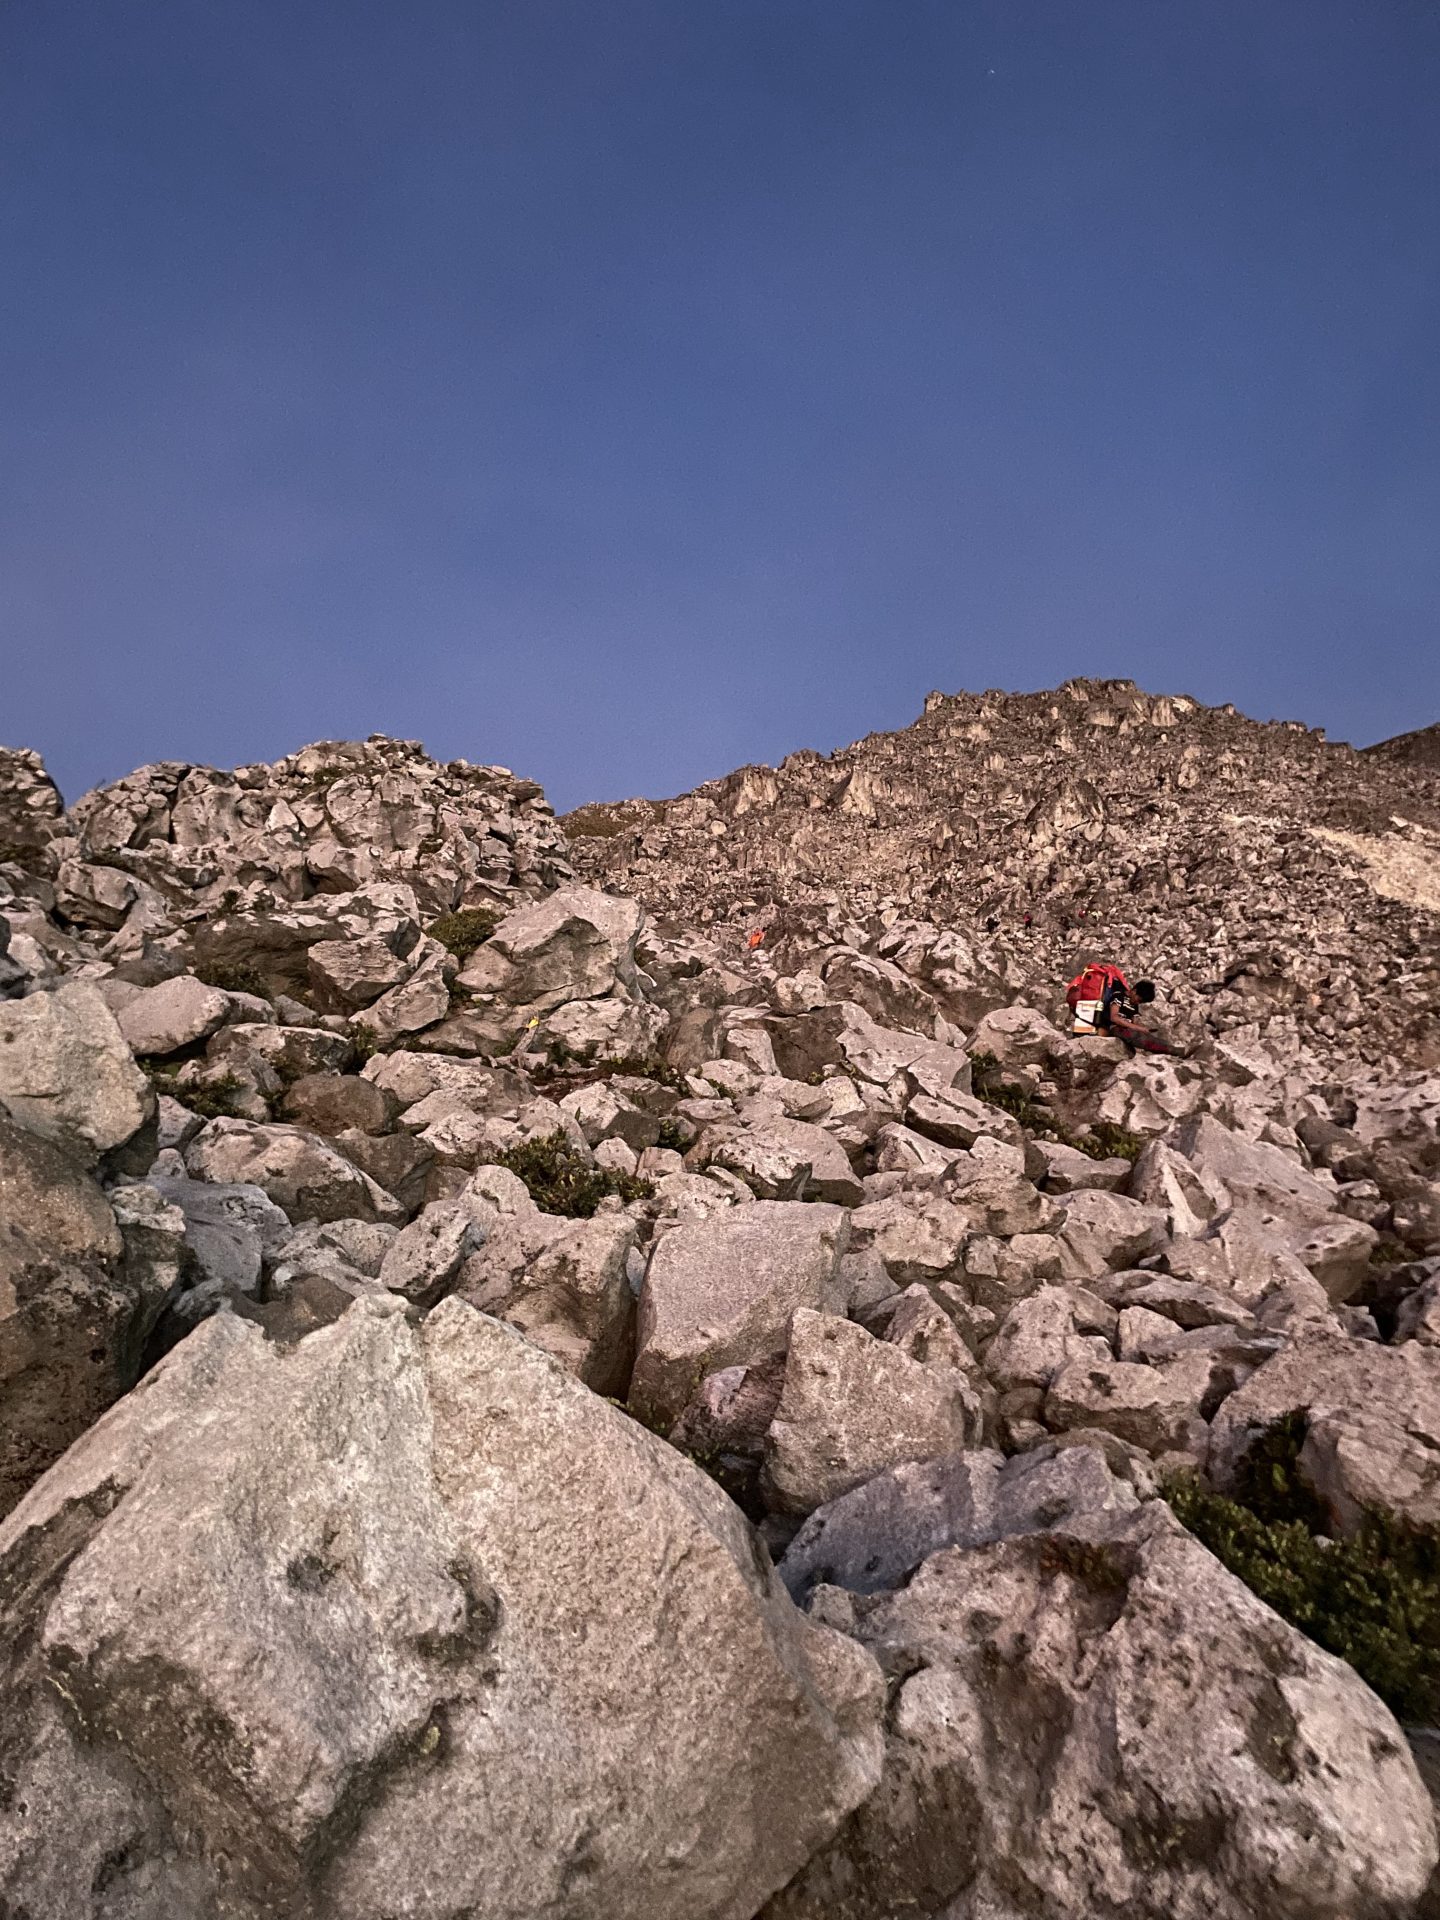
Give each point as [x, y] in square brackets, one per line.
[74, 1312]
[401, 1165]
[229, 1229]
[573, 1299]
[575, 945]
[1419, 1315]
[349, 974]
[389, 1623]
[1105, 1232]
[957, 1119]
[1053, 1328]
[304, 1176]
[605, 1029]
[1253, 1172]
[415, 1004]
[1337, 1252]
[721, 1292]
[1157, 1408]
[1188, 1195]
[913, 1241]
[1186, 1302]
[872, 1539]
[1102, 1720]
[423, 1261]
[333, 1103]
[782, 1160]
[175, 1014]
[1057, 1168]
[289, 1052]
[67, 1074]
[852, 1406]
[990, 1185]
[1374, 1424]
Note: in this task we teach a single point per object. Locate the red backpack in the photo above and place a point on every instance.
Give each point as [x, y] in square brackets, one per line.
[1086, 993]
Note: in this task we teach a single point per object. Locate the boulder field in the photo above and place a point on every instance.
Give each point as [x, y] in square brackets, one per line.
[517, 1403]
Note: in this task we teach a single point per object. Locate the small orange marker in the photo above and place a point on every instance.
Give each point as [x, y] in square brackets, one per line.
[756, 938]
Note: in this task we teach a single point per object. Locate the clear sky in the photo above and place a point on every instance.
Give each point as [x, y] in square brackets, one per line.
[625, 390]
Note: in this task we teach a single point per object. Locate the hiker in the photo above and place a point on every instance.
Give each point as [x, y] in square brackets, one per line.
[1104, 1002]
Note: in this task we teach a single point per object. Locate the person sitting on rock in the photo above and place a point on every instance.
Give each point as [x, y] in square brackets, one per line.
[1103, 1002]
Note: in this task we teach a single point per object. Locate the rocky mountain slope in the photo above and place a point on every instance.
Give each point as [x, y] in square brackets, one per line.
[514, 1407]
[1252, 869]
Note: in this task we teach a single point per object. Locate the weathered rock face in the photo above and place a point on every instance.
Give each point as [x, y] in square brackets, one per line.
[31, 809]
[66, 1072]
[873, 1538]
[354, 1632]
[576, 944]
[722, 1292]
[336, 816]
[1032, 1771]
[572, 1299]
[1373, 1415]
[299, 1172]
[851, 1406]
[73, 1319]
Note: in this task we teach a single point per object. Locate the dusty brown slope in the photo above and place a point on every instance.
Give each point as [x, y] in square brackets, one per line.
[1418, 749]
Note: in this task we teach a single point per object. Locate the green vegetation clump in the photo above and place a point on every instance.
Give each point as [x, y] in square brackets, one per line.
[214, 1101]
[988, 1086]
[461, 933]
[672, 1137]
[1389, 1252]
[560, 1180]
[1102, 1141]
[648, 1066]
[1106, 1141]
[237, 978]
[1373, 1599]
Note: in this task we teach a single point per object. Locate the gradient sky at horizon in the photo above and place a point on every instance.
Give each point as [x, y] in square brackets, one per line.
[625, 392]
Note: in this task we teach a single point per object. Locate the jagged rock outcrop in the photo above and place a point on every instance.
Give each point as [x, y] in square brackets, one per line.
[1256, 871]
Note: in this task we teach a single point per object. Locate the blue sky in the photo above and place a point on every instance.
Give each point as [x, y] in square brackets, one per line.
[625, 391]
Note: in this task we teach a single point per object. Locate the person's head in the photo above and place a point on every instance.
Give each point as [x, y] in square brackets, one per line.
[1145, 990]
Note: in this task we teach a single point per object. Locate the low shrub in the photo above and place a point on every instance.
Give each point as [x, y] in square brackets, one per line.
[1373, 1599]
[649, 1066]
[239, 977]
[1106, 1141]
[214, 1101]
[461, 933]
[560, 1180]
[365, 1041]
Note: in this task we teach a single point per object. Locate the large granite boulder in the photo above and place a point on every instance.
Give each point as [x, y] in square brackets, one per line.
[576, 944]
[404, 1621]
[852, 1405]
[1373, 1424]
[301, 1173]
